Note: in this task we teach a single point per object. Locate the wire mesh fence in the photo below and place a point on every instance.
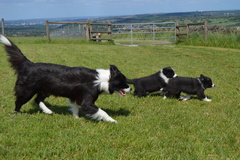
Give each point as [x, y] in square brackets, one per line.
[69, 31]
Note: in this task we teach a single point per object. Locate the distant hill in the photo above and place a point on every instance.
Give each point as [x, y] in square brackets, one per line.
[226, 18]
[36, 27]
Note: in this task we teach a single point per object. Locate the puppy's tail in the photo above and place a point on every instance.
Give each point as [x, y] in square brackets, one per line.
[131, 81]
[16, 57]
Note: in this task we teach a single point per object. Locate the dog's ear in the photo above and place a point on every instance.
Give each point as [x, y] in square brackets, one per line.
[202, 77]
[113, 70]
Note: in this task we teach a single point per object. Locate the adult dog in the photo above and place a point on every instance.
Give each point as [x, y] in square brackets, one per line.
[152, 83]
[81, 85]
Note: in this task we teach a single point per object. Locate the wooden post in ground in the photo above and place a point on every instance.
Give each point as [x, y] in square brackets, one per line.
[109, 31]
[3, 26]
[47, 31]
[187, 31]
[206, 30]
[88, 30]
[177, 31]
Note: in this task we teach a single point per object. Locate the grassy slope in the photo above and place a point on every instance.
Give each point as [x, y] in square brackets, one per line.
[149, 128]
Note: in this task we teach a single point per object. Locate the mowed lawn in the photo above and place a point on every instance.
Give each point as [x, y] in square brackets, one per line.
[148, 128]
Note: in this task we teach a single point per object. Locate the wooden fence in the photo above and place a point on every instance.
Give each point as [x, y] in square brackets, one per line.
[90, 27]
[179, 33]
[89, 30]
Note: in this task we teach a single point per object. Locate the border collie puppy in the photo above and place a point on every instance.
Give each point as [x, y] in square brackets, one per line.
[152, 83]
[81, 85]
[194, 86]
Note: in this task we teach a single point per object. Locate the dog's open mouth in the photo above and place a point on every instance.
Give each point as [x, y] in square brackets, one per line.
[121, 92]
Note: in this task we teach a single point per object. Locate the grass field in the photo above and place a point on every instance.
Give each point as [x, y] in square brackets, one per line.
[148, 128]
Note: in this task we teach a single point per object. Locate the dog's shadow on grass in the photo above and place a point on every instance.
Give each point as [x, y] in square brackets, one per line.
[155, 95]
[65, 110]
[120, 112]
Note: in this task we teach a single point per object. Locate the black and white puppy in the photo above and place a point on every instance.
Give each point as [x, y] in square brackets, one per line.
[192, 86]
[81, 85]
[153, 82]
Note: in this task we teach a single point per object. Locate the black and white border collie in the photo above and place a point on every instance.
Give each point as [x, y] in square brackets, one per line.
[192, 86]
[152, 83]
[81, 85]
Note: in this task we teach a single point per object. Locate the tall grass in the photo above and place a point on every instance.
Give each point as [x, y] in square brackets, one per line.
[148, 128]
[230, 40]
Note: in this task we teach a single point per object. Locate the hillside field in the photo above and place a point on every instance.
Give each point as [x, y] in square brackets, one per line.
[148, 128]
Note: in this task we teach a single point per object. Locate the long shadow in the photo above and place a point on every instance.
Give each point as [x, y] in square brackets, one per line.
[64, 110]
[120, 112]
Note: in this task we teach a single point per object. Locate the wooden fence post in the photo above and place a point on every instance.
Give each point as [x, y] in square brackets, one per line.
[177, 31]
[47, 31]
[3, 26]
[88, 30]
[187, 31]
[206, 30]
[109, 31]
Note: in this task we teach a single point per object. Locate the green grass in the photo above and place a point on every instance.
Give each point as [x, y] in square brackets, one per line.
[224, 40]
[148, 128]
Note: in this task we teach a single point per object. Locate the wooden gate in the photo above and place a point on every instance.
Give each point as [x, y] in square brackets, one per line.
[99, 31]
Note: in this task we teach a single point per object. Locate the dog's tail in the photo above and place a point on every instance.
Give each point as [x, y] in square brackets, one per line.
[131, 81]
[16, 57]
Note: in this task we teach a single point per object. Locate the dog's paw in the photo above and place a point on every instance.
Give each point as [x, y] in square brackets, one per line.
[207, 100]
[185, 98]
[47, 111]
[17, 112]
[44, 108]
[76, 116]
[110, 119]
[101, 115]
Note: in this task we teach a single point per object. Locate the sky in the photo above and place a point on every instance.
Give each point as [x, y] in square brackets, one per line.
[32, 9]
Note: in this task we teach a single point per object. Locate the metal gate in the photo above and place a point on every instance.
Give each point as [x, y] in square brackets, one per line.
[144, 33]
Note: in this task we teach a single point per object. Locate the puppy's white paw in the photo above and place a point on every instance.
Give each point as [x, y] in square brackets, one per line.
[207, 100]
[185, 98]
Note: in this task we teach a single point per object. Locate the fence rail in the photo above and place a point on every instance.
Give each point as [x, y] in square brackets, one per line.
[179, 34]
[127, 33]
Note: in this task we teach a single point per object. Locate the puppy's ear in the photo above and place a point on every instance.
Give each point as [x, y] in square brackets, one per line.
[113, 70]
[202, 77]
